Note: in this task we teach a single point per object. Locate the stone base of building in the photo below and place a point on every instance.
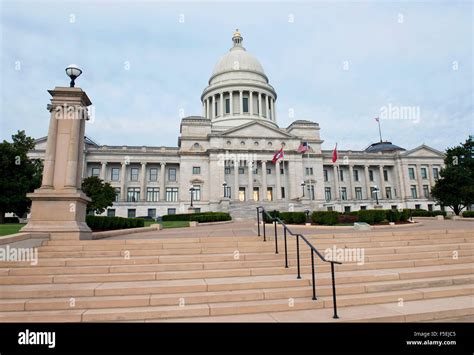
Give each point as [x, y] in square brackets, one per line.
[61, 213]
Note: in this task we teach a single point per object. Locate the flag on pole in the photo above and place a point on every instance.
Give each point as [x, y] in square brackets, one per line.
[334, 154]
[304, 147]
[278, 155]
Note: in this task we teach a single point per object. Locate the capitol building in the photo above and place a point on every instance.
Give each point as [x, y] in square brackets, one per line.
[223, 159]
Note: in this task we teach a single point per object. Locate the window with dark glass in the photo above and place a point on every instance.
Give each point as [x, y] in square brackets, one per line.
[245, 104]
[133, 194]
[171, 174]
[134, 174]
[95, 172]
[153, 174]
[114, 174]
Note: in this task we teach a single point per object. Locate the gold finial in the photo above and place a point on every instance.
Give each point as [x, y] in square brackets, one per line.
[237, 33]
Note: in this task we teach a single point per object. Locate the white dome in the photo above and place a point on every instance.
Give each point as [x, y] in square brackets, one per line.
[238, 59]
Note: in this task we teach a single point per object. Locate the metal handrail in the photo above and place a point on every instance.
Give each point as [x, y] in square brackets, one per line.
[275, 220]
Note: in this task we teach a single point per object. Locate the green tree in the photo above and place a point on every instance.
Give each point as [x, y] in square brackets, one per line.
[18, 174]
[102, 194]
[455, 187]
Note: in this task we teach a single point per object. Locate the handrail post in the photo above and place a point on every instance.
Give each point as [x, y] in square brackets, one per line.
[264, 229]
[314, 277]
[276, 236]
[298, 254]
[286, 251]
[334, 292]
[258, 221]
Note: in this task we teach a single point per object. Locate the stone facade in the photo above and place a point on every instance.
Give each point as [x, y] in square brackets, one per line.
[226, 154]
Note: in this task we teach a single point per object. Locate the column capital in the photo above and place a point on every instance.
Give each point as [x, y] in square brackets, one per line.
[103, 162]
[162, 164]
[143, 162]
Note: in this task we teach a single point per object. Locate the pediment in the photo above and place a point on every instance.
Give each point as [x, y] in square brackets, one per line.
[423, 151]
[256, 130]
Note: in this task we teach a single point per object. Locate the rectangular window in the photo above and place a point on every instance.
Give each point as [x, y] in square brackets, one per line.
[171, 210]
[172, 174]
[424, 174]
[245, 104]
[215, 108]
[227, 105]
[171, 194]
[255, 170]
[417, 207]
[152, 194]
[394, 207]
[341, 174]
[385, 175]
[133, 194]
[347, 209]
[343, 193]
[197, 193]
[413, 191]
[426, 191]
[411, 173]
[134, 174]
[153, 174]
[95, 172]
[228, 192]
[282, 171]
[117, 194]
[371, 175]
[111, 212]
[114, 174]
[196, 170]
[269, 171]
[388, 192]
[227, 170]
[330, 209]
[363, 208]
[241, 170]
[309, 171]
[282, 192]
[358, 191]
[325, 175]
[430, 207]
[327, 193]
[356, 175]
[435, 173]
[131, 213]
[152, 213]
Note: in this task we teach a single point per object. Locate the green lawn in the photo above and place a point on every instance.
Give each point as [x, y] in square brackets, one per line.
[10, 228]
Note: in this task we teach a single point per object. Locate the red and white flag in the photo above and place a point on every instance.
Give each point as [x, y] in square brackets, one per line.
[334, 154]
[304, 147]
[278, 155]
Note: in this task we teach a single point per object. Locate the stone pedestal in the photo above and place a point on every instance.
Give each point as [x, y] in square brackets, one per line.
[59, 206]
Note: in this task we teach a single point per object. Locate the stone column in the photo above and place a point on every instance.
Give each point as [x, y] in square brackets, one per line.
[241, 100]
[382, 195]
[162, 182]
[123, 182]
[263, 196]
[204, 108]
[103, 174]
[143, 181]
[222, 104]
[430, 176]
[214, 113]
[267, 116]
[251, 102]
[231, 100]
[273, 110]
[367, 182]
[250, 184]
[337, 192]
[59, 206]
[351, 194]
[278, 181]
[208, 114]
[419, 180]
[402, 192]
[260, 104]
[236, 180]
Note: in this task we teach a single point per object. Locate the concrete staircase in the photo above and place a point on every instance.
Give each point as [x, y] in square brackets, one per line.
[240, 278]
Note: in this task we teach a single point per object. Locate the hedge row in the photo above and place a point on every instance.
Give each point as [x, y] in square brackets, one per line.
[110, 223]
[325, 217]
[468, 214]
[425, 213]
[287, 217]
[201, 217]
[11, 220]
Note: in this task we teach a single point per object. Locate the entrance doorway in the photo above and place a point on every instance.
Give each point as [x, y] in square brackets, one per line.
[241, 193]
[269, 193]
[256, 194]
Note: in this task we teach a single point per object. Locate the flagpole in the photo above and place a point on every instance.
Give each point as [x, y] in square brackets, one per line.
[380, 132]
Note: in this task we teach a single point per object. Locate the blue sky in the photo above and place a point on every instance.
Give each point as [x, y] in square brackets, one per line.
[337, 63]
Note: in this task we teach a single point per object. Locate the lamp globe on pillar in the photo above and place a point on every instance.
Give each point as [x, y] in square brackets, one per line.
[73, 72]
[225, 188]
[191, 191]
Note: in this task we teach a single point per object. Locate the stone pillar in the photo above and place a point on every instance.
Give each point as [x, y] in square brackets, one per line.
[208, 114]
[162, 182]
[267, 116]
[402, 192]
[103, 174]
[419, 180]
[260, 104]
[236, 180]
[204, 108]
[241, 100]
[263, 196]
[222, 104]
[382, 195]
[143, 181]
[273, 110]
[250, 183]
[430, 177]
[231, 100]
[251, 102]
[351, 194]
[367, 182]
[214, 113]
[59, 206]
[123, 182]
[337, 192]
[278, 181]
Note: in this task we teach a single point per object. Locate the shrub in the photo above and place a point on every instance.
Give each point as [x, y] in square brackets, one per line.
[393, 215]
[293, 217]
[11, 220]
[405, 215]
[325, 217]
[348, 218]
[111, 223]
[201, 217]
[371, 216]
[468, 214]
